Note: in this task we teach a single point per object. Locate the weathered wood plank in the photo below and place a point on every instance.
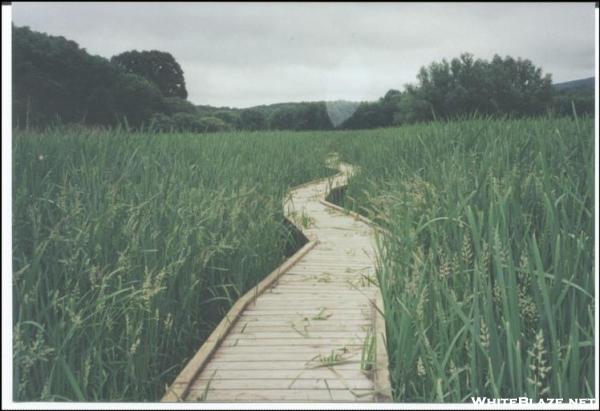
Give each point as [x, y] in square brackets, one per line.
[192, 369]
[278, 321]
[283, 384]
[290, 333]
[324, 349]
[281, 395]
[278, 356]
[312, 374]
[272, 347]
[217, 364]
[276, 342]
[300, 326]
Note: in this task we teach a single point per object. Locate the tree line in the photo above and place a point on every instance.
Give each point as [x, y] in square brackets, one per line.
[57, 82]
[466, 86]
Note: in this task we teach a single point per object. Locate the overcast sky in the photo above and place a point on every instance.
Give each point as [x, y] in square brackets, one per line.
[241, 55]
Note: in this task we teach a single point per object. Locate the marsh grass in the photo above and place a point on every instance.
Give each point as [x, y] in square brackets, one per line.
[130, 247]
[486, 257]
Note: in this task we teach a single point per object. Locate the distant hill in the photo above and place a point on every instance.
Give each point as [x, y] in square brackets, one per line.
[338, 111]
[584, 83]
[576, 95]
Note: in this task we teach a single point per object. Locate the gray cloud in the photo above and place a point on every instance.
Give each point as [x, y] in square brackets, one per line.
[241, 54]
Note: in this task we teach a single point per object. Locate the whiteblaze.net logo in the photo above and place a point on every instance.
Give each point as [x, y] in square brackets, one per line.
[526, 400]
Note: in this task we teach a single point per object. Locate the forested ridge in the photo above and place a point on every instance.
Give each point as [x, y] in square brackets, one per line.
[55, 81]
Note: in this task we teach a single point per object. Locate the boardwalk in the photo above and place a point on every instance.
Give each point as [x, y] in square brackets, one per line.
[311, 335]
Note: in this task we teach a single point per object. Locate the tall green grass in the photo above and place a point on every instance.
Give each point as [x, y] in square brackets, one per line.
[486, 257]
[129, 248]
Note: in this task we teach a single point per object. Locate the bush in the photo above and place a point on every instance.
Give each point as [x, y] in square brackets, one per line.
[162, 123]
[174, 105]
[186, 122]
[213, 124]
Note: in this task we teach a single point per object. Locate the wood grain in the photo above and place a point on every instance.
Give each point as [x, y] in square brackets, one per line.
[299, 335]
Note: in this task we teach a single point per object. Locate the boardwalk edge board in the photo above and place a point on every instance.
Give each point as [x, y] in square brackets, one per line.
[381, 371]
[180, 387]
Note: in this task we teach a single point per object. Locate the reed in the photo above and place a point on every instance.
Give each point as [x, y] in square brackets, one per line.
[486, 258]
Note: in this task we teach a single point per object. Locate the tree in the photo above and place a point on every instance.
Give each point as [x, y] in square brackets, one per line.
[174, 105]
[316, 117]
[381, 113]
[283, 119]
[253, 119]
[392, 95]
[467, 85]
[56, 80]
[187, 122]
[230, 117]
[162, 123]
[159, 67]
[50, 77]
[135, 99]
[213, 124]
[194, 123]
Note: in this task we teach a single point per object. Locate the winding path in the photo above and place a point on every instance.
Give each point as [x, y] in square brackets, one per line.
[310, 331]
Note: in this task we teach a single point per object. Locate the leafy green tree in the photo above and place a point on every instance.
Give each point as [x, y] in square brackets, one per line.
[159, 67]
[213, 124]
[253, 119]
[315, 117]
[462, 87]
[465, 86]
[174, 105]
[301, 116]
[54, 80]
[135, 99]
[187, 122]
[283, 119]
[230, 117]
[162, 123]
[376, 114]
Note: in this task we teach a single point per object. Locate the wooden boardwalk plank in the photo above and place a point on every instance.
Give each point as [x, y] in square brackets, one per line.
[266, 395]
[300, 336]
[284, 384]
